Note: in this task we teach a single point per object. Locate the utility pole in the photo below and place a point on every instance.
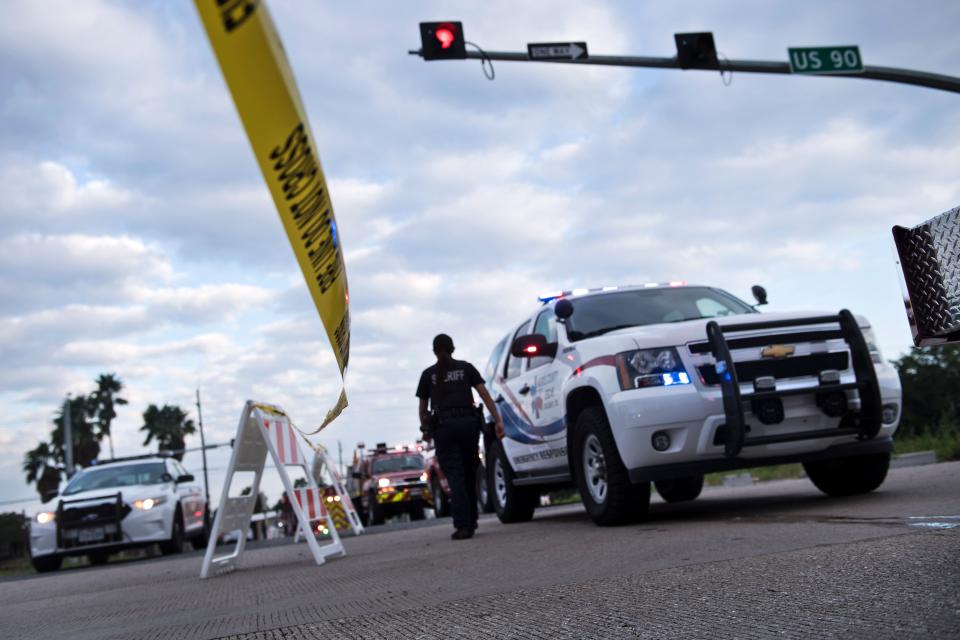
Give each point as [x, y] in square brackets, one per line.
[340, 457]
[203, 451]
[68, 436]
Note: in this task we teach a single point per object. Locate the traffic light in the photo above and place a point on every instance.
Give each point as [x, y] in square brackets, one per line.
[696, 50]
[442, 41]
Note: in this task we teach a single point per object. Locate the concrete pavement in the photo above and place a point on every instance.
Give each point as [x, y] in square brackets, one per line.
[776, 559]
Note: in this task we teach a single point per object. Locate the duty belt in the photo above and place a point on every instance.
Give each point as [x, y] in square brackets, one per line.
[457, 412]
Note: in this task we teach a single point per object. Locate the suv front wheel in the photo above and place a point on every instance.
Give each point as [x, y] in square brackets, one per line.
[849, 476]
[608, 495]
[680, 489]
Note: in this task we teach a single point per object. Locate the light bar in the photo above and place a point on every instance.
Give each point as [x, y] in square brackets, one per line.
[556, 295]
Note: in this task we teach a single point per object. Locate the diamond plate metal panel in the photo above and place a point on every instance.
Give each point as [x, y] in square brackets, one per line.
[930, 263]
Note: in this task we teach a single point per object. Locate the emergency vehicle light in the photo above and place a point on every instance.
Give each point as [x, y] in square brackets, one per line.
[547, 297]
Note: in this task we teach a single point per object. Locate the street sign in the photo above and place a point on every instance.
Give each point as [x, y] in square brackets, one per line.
[815, 60]
[557, 51]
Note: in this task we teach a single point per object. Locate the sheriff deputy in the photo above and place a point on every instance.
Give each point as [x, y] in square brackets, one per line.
[453, 422]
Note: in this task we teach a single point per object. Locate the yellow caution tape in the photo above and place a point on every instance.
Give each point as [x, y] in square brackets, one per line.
[255, 67]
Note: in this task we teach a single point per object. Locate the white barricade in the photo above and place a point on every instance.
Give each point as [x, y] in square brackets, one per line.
[266, 429]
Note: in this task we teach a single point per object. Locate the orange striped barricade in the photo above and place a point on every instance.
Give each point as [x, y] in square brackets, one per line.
[265, 429]
[336, 497]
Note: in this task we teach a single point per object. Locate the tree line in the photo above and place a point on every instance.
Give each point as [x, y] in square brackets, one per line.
[91, 417]
[931, 391]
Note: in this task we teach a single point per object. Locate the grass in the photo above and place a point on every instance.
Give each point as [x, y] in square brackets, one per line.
[15, 567]
[946, 444]
[759, 474]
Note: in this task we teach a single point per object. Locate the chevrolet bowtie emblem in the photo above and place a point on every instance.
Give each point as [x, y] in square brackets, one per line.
[778, 351]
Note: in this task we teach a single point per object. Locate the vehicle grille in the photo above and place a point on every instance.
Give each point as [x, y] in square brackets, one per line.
[92, 515]
[791, 367]
[698, 348]
[84, 523]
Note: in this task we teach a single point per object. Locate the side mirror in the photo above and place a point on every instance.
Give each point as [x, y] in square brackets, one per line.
[563, 308]
[759, 294]
[186, 477]
[531, 346]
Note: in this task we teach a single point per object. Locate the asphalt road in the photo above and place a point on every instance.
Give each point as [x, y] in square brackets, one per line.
[776, 559]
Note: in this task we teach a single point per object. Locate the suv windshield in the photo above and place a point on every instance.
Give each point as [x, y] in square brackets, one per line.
[127, 475]
[398, 463]
[596, 315]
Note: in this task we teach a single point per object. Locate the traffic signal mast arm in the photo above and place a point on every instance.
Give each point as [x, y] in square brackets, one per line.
[870, 72]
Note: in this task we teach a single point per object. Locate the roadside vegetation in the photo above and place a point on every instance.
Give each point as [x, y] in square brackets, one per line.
[91, 417]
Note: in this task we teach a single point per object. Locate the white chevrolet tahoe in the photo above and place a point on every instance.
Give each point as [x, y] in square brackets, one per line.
[118, 505]
[615, 388]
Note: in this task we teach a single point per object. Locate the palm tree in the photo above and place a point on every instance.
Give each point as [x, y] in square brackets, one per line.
[40, 465]
[86, 440]
[168, 426]
[105, 397]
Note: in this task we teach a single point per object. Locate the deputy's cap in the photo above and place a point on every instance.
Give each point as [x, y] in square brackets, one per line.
[442, 343]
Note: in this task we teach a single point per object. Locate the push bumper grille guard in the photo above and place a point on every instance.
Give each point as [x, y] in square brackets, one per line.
[867, 420]
[106, 515]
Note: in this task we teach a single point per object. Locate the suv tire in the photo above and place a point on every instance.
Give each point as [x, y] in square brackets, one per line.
[441, 503]
[608, 495]
[175, 543]
[849, 476]
[484, 495]
[680, 489]
[46, 564]
[511, 503]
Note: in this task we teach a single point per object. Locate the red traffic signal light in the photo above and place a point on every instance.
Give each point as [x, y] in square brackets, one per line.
[442, 41]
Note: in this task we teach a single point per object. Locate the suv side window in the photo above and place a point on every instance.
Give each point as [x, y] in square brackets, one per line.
[513, 364]
[493, 364]
[547, 327]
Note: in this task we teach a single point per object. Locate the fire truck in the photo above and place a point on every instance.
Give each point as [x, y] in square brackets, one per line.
[389, 481]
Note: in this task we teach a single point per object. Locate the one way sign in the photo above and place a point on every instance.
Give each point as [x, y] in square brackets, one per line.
[557, 51]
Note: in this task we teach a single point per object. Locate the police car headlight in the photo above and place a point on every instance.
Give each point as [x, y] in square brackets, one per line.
[383, 482]
[46, 516]
[148, 503]
[650, 368]
[423, 477]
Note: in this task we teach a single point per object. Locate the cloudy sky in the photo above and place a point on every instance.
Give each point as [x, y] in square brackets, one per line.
[137, 236]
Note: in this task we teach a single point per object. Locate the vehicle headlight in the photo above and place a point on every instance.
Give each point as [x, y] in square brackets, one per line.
[383, 482]
[872, 347]
[148, 503]
[46, 516]
[423, 477]
[650, 368]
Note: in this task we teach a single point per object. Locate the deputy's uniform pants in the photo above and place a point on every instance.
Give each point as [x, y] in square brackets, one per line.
[456, 442]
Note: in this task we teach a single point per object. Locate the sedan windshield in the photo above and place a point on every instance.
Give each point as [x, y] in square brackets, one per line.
[128, 475]
[596, 315]
[398, 463]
